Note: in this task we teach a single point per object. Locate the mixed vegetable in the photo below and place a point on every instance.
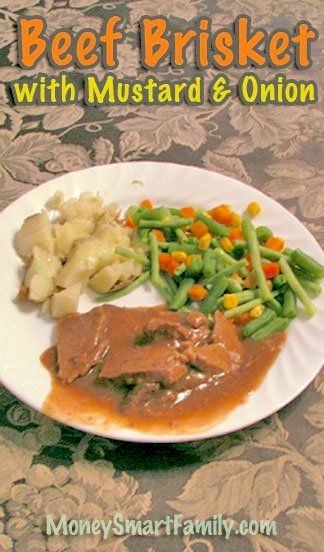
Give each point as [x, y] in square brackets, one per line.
[217, 260]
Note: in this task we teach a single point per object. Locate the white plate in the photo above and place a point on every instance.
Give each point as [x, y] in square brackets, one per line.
[24, 333]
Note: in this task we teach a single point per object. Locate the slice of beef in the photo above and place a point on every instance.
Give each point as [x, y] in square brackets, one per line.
[225, 335]
[159, 361]
[82, 341]
[180, 326]
[209, 358]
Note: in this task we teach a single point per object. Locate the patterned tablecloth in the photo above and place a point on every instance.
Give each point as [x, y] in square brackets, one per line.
[272, 470]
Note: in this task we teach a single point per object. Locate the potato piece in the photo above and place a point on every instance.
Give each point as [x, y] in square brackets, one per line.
[36, 230]
[87, 206]
[86, 258]
[40, 288]
[55, 201]
[107, 277]
[112, 234]
[43, 263]
[65, 301]
[68, 232]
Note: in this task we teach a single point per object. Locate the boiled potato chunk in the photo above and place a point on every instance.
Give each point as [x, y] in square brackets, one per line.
[87, 256]
[68, 232]
[87, 206]
[107, 277]
[40, 288]
[43, 263]
[65, 301]
[36, 230]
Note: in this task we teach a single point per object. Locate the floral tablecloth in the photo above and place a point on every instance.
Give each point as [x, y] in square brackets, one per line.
[273, 470]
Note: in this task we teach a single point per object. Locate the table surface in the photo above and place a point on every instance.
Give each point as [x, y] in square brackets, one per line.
[273, 470]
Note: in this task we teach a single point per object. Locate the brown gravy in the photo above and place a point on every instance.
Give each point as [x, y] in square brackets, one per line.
[85, 402]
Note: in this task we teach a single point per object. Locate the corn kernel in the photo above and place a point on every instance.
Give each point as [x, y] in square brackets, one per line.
[270, 284]
[166, 218]
[230, 301]
[207, 214]
[249, 282]
[236, 219]
[237, 278]
[256, 311]
[204, 241]
[179, 255]
[226, 244]
[253, 209]
[188, 260]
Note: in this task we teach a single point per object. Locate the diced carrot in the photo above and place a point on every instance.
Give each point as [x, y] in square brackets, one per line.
[129, 222]
[235, 234]
[197, 292]
[164, 259]
[243, 318]
[172, 265]
[198, 228]
[159, 235]
[188, 260]
[271, 270]
[188, 212]
[222, 214]
[146, 203]
[277, 244]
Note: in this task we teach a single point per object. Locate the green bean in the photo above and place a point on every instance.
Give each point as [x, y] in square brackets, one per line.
[233, 286]
[209, 264]
[132, 255]
[134, 211]
[227, 271]
[263, 233]
[307, 263]
[171, 223]
[279, 281]
[143, 234]
[159, 213]
[247, 295]
[180, 235]
[170, 283]
[180, 269]
[195, 267]
[213, 226]
[181, 295]
[244, 307]
[174, 212]
[188, 248]
[275, 306]
[270, 254]
[257, 323]
[300, 273]
[296, 287]
[155, 267]
[162, 245]
[192, 241]
[209, 303]
[124, 291]
[223, 256]
[274, 326]
[253, 247]
[236, 311]
[311, 287]
[163, 290]
[289, 309]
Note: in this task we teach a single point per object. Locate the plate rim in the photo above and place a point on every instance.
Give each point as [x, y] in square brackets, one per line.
[141, 436]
